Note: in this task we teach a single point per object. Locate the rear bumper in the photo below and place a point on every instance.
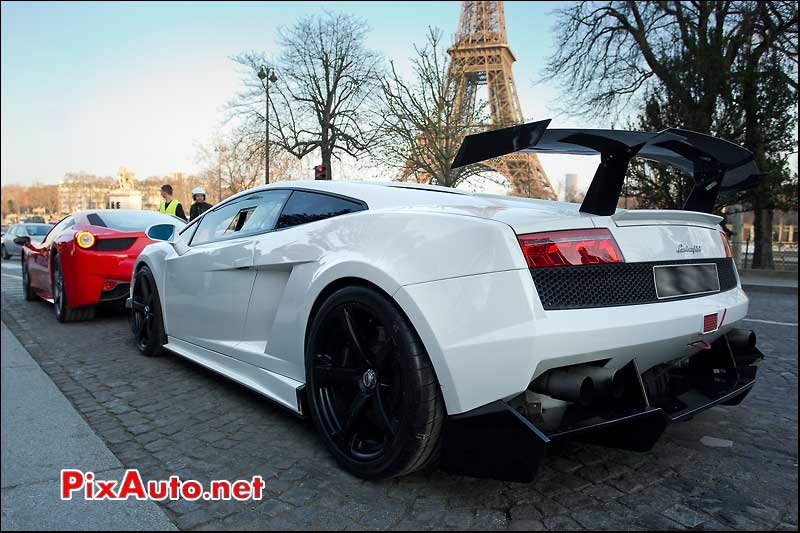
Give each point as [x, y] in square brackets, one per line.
[85, 272]
[488, 336]
[502, 440]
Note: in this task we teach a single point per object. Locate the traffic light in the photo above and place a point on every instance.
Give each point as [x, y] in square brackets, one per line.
[320, 172]
[118, 205]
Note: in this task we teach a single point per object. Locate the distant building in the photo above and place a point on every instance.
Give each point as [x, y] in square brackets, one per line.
[571, 191]
[78, 191]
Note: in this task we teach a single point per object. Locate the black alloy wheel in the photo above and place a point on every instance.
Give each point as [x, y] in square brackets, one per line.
[372, 390]
[146, 321]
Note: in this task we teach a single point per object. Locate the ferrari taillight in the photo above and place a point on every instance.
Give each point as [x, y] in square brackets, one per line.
[727, 244]
[570, 248]
[85, 239]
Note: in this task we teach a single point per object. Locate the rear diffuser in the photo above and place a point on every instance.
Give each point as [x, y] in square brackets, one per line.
[497, 441]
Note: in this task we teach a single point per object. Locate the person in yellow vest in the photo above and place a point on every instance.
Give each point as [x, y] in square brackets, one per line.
[170, 205]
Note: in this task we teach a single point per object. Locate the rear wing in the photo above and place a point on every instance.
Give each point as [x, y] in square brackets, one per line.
[715, 165]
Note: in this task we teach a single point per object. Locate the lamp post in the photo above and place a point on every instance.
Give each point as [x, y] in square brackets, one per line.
[266, 75]
[220, 150]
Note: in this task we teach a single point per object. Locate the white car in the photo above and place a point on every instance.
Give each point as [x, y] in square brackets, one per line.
[34, 231]
[417, 324]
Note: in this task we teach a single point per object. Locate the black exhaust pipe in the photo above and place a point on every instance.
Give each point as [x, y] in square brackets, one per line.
[565, 384]
[741, 341]
[607, 383]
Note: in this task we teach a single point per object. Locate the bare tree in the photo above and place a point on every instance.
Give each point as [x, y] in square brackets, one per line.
[326, 79]
[234, 161]
[421, 123]
[607, 52]
[711, 61]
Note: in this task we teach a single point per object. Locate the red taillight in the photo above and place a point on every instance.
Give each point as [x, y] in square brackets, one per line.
[108, 285]
[570, 247]
[727, 244]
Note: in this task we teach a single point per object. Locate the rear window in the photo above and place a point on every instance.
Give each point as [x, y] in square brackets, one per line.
[34, 230]
[130, 220]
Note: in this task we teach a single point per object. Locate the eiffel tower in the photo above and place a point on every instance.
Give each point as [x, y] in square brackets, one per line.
[481, 56]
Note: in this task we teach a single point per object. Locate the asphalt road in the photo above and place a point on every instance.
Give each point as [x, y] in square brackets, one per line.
[168, 416]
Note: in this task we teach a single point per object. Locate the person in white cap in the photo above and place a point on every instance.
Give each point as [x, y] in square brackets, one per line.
[200, 205]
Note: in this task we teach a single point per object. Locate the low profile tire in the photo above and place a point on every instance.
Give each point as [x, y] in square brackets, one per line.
[63, 312]
[147, 323]
[5, 253]
[26, 282]
[372, 390]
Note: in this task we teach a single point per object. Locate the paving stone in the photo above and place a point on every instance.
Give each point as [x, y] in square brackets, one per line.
[526, 525]
[714, 442]
[685, 516]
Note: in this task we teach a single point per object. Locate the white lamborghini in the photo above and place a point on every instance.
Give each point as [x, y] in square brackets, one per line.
[418, 324]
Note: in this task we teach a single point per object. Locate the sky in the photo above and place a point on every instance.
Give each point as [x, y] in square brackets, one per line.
[98, 85]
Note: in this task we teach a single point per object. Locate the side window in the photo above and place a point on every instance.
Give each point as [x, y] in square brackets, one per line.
[57, 230]
[304, 207]
[254, 213]
[15, 231]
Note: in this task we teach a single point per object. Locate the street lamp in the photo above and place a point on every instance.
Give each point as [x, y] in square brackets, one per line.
[267, 74]
[220, 150]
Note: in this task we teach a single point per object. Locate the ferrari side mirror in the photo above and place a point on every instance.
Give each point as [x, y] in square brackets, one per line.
[161, 232]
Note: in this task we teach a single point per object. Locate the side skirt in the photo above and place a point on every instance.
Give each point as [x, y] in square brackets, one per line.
[284, 391]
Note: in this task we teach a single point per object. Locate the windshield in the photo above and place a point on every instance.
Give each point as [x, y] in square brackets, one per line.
[36, 230]
[131, 220]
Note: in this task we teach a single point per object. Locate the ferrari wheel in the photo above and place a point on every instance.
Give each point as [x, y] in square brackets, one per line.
[146, 322]
[26, 282]
[373, 393]
[63, 312]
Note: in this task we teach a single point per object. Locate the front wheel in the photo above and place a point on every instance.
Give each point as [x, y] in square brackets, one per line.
[373, 392]
[146, 319]
[5, 253]
[63, 312]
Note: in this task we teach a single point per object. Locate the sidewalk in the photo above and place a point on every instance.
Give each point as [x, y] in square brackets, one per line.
[769, 281]
[41, 434]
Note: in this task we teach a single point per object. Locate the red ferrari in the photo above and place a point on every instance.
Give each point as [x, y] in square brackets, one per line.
[87, 259]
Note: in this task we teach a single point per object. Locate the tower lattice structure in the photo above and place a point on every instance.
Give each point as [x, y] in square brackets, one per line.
[481, 56]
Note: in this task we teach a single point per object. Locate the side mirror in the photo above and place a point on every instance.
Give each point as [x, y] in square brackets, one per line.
[161, 232]
[22, 240]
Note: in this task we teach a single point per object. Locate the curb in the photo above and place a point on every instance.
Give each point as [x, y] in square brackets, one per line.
[774, 289]
[770, 274]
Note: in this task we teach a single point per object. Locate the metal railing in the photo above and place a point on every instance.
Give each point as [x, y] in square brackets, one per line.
[784, 255]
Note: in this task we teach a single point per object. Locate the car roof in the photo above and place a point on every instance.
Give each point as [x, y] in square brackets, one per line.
[394, 194]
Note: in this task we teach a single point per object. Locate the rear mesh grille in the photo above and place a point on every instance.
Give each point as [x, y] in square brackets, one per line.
[113, 245]
[613, 284]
